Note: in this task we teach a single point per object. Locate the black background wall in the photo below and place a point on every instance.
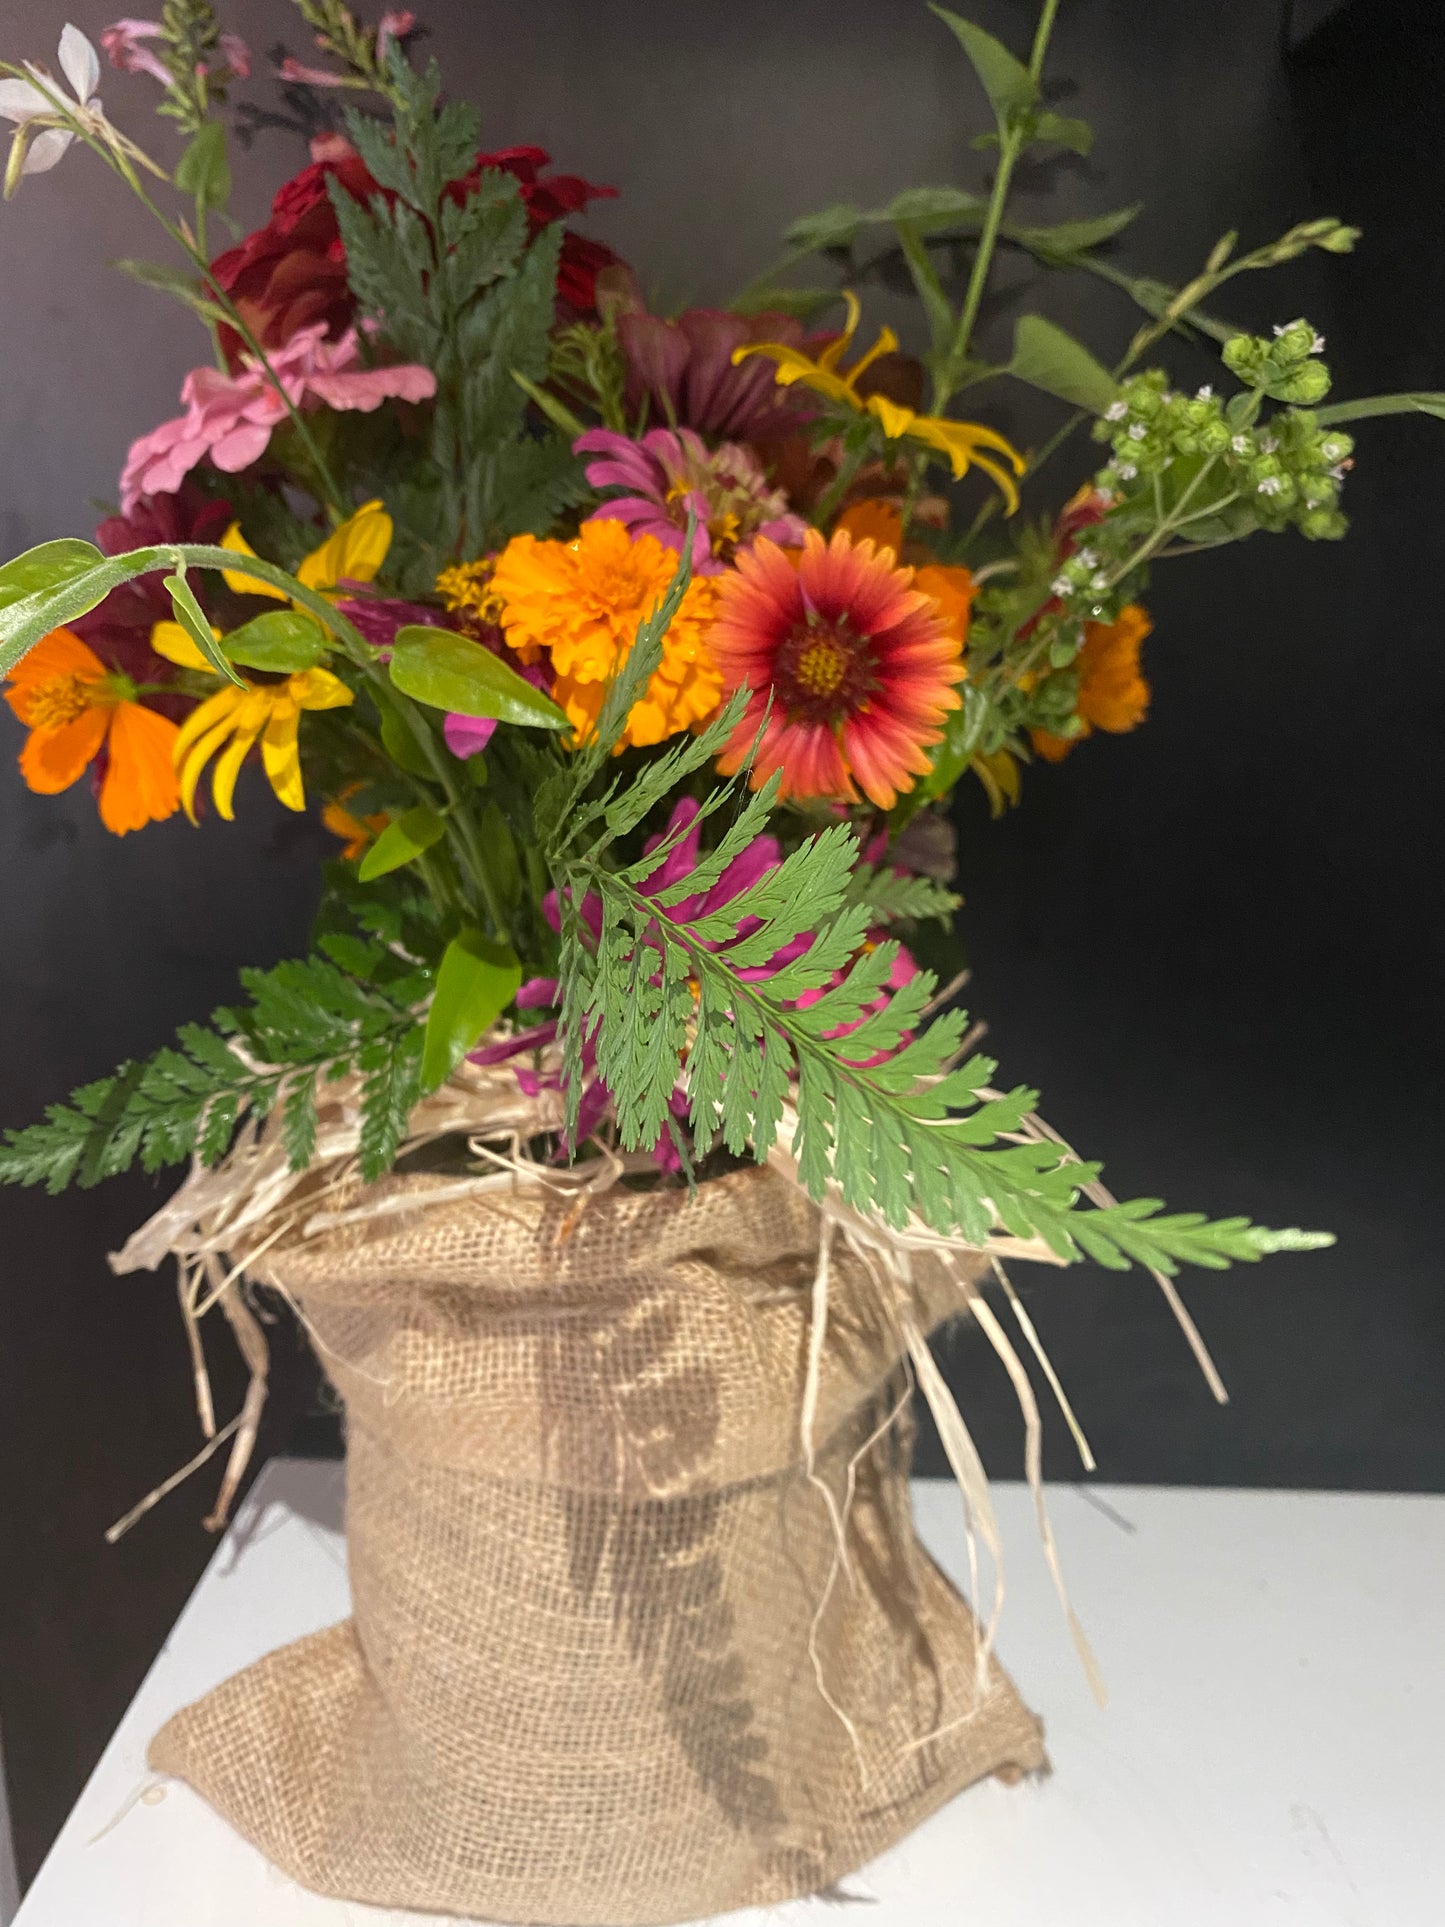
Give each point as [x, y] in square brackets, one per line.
[1214, 943]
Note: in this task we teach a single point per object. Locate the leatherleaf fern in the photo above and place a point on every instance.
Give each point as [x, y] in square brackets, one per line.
[352, 1009]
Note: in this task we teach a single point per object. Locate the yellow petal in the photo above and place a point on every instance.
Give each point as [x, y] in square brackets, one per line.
[190, 765]
[228, 765]
[318, 689]
[352, 553]
[1002, 480]
[281, 755]
[170, 640]
[245, 584]
[204, 717]
[836, 350]
[886, 344]
[897, 421]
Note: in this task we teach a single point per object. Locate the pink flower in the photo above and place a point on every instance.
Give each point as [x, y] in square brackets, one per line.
[670, 471]
[229, 419]
[125, 47]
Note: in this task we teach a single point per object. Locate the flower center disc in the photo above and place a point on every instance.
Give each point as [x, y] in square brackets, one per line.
[823, 671]
[60, 699]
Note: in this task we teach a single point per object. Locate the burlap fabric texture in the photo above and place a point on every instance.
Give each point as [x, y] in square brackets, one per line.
[612, 1660]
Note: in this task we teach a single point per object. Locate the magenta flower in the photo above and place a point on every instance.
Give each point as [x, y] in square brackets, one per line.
[670, 471]
[229, 419]
[684, 371]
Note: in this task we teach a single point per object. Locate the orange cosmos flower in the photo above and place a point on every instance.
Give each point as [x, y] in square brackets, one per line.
[1113, 693]
[74, 707]
[580, 602]
[860, 667]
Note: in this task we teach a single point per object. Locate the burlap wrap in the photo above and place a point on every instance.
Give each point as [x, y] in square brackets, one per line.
[609, 1663]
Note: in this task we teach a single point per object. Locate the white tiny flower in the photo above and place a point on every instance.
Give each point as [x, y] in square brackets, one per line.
[1206, 393]
[1137, 431]
[1279, 328]
[1100, 581]
[1240, 444]
[1116, 411]
[1338, 472]
[1269, 443]
[1317, 346]
[1270, 485]
[1088, 559]
[1127, 471]
[1061, 586]
[23, 101]
[1104, 497]
[1332, 448]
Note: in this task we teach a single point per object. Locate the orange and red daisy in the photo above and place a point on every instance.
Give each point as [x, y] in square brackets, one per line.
[74, 707]
[858, 663]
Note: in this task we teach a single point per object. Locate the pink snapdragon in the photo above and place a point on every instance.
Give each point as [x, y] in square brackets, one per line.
[229, 419]
[125, 46]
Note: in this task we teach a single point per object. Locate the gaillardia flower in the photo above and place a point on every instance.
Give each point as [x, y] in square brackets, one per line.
[858, 664]
[581, 602]
[1113, 692]
[671, 471]
[823, 373]
[76, 710]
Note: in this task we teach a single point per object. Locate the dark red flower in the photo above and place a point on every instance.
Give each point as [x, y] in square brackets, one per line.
[684, 370]
[119, 631]
[292, 271]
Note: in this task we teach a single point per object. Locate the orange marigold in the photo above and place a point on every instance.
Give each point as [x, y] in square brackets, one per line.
[581, 603]
[74, 707]
[1113, 693]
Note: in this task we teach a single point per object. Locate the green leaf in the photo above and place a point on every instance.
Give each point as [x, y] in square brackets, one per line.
[476, 981]
[1415, 402]
[285, 641]
[402, 842]
[1005, 80]
[932, 206]
[936, 305]
[192, 618]
[451, 672]
[1047, 358]
[203, 170]
[831, 227]
[1076, 135]
[399, 742]
[1074, 237]
[48, 567]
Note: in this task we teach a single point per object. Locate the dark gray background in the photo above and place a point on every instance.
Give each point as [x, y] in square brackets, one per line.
[1215, 943]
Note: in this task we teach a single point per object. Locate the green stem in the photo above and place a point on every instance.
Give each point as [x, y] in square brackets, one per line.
[1011, 145]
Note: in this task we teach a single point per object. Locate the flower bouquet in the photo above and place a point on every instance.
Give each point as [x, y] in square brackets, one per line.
[619, 1143]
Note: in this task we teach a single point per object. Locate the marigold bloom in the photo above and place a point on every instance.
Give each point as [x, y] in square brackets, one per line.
[823, 373]
[75, 708]
[1113, 692]
[582, 601]
[859, 665]
[233, 720]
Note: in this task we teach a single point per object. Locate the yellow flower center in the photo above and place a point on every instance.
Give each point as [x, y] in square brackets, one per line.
[821, 667]
[466, 589]
[60, 699]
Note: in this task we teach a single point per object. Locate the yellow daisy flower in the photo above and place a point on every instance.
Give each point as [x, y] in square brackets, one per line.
[824, 374]
[231, 722]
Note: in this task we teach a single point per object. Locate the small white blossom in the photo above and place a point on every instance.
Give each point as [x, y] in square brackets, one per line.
[1271, 485]
[1061, 586]
[1088, 558]
[1317, 346]
[1240, 444]
[26, 103]
[1127, 471]
[1116, 411]
[1104, 497]
[1206, 393]
[1269, 443]
[1099, 581]
[1339, 471]
[1137, 431]
[1332, 448]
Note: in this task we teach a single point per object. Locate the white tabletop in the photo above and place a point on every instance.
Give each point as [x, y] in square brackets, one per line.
[1271, 1755]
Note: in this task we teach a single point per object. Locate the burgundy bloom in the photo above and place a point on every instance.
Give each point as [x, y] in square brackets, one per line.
[292, 272]
[684, 370]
